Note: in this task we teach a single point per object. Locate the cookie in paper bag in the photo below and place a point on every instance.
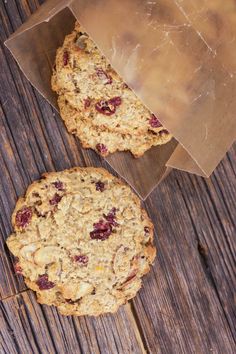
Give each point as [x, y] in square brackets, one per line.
[88, 84]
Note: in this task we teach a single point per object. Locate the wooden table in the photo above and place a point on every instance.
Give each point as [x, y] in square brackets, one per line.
[187, 302]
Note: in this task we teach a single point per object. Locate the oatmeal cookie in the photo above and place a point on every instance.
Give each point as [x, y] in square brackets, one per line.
[104, 141]
[82, 241]
[88, 83]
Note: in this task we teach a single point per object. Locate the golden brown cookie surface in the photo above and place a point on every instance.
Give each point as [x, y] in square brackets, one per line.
[82, 241]
[104, 141]
[85, 80]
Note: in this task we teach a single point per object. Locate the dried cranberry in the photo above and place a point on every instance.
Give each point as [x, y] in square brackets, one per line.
[106, 78]
[105, 107]
[23, 217]
[154, 122]
[17, 268]
[101, 148]
[58, 185]
[110, 217]
[65, 58]
[87, 102]
[102, 231]
[100, 186]
[116, 101]
[55, 200]
[43, 282]
[108, 107]
[113, 211]
[81, 259]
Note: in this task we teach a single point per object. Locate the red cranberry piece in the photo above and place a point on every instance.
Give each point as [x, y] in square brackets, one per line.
[110, 217]
[116, 101]
[87, 102]
[58, 185]
[17, 268]
[104, 76]
[102, 231]
[101, 148]
[23, 217]
[105, 107]
[55, 199]
[154, 122]
[108, 107]
[43, 282]
[81, 259]
[65, 58]
[113, 211]
[100, 186]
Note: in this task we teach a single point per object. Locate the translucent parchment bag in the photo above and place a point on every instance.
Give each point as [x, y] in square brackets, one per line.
[178, 56]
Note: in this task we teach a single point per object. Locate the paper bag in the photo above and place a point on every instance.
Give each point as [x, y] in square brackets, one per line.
[179, 57]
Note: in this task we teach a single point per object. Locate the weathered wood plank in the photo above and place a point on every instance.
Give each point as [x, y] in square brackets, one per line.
[190, 292]
[211, 207]
[27, 327]
[9, 283]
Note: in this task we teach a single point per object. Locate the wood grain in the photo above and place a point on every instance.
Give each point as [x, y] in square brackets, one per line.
[194, 274]
[28, 328]
[187, 302]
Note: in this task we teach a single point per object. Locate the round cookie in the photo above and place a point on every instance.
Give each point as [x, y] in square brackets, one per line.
[87, 81]
[104, 141]
[82, 241]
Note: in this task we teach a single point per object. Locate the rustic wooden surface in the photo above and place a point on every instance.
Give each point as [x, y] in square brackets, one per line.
[187, 304]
